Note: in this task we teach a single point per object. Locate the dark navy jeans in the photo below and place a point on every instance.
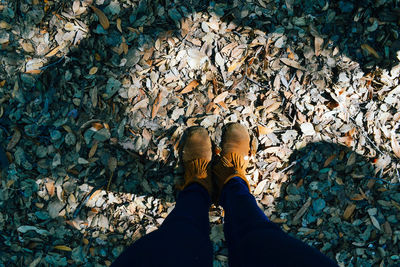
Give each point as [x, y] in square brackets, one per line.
[252, 240]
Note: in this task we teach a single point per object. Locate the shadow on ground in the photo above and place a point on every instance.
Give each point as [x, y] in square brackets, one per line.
[66, 91]
[334, 200]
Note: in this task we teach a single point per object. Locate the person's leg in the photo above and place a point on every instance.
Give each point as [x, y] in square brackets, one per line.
[253, 240]
[182, 239]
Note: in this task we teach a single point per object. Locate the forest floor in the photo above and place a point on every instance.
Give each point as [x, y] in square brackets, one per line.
[95, 94]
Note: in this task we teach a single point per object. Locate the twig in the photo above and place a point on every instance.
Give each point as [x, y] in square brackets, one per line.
[52, 64]
[109, 181]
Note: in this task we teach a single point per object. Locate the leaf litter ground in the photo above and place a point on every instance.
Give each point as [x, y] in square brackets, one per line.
[94, 96]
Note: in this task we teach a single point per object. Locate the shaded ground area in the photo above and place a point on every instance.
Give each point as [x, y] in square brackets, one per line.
[94, 96]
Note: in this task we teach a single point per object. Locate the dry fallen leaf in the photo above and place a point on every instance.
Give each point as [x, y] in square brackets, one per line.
[375, 222]
[50, 187]
[357, 197]
[260, 187]
[4, 25]
[329, 160]
[75, 6]
[370, 50]
[102, 17]
[14, 139]
[63, 248]
[119, 25]
[53, 52]
[236, 64]
[302, 211]
[28, 47]
[395, 145]
[93, 70]
[93, 149]
[264, 130]
[272, 107]
[318, 42]
[221, 97]
[292, 63]
[349, 211]
[192, 85]
[156, 105]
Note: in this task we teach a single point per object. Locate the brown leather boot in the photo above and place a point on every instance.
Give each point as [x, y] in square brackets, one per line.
[196, 156]
[235, 152]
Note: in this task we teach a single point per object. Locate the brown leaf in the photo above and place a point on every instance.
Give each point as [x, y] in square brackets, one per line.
[349, 211]
[93, 70]
[329, 160]
[370, 50]
[53, 52]
[50, 187]
[318, 42]
[236, 64]
[272, 107]
[148, 53]
[292, 63]
[14, 139]
[28, 47]
[302, 211]
[264, 130]
[357, 197]
[4, 25]
[192, 85]
[63, 248]
[102, 18]
[119, 25]
[93, 149]
[185, 27]
[221, 97]
[156, 105]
